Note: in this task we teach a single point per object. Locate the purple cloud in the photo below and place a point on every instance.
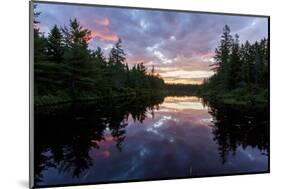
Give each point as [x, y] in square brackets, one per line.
[171, 41]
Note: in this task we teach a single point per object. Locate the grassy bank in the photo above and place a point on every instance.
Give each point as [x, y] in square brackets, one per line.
[239, 97]
[64, 97]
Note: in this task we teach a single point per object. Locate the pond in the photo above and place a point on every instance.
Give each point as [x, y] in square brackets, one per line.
[145, 139]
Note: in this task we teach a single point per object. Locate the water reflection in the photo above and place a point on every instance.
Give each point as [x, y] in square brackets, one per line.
[180, 103]
[146, 138]
[64, 134]
[240, 127]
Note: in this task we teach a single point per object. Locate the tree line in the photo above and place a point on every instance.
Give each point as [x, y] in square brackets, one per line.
[241, 71]
[65, 69]
[179, 89]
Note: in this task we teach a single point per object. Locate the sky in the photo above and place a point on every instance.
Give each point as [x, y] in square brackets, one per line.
[180, 45]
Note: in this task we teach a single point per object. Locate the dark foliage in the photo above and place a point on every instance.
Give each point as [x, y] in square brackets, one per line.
[181, 89]
[65, 69]
[78, 127]
[241, 72]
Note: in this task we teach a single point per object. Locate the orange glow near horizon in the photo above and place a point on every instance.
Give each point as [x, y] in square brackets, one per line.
[183, 81]
[185, 76]
[179, 46]
[183, 103]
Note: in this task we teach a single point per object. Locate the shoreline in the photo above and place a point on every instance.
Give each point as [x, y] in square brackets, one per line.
[41, 103]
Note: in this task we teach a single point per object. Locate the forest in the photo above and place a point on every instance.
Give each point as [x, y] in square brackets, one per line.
[241, 72]
[65, 69]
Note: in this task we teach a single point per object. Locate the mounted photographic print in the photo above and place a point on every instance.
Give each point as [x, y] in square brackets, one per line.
[122, 94]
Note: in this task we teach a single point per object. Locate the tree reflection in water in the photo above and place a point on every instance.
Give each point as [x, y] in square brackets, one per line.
[234, 127]
[64, 134]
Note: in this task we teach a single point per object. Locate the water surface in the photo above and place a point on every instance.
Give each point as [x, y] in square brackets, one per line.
[147, 138]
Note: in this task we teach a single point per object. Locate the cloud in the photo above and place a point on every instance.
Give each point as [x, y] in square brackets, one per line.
[104, 37]
[174, 80]
[166, 40]
[185, 76]
[182, 74]
[103, 22]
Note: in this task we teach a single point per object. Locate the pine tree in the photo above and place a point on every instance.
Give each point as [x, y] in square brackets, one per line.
[234, 74]
[78, 56]
[39, 39]
[117, 58]
[117, 54]
[55, 47]
[241, 71]
[223, 51]
[222, 58]
[246, 62]
[99, 56]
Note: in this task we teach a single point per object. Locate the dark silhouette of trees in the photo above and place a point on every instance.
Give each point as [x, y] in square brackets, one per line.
[67, 70]
[55, 48]
[241, 72]
[235, 127]
[237, 95]
[77, 56]
[117, 54]
[39, 39]
[65, 133]
[181, 89]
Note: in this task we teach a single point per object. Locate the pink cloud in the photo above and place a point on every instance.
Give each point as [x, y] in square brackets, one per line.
[104, 36]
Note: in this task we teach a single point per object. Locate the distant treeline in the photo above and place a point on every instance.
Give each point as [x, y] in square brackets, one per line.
[65, 69]
[241, 72]
[181, 89]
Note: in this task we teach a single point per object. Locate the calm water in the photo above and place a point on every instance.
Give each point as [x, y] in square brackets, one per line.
[148, 138]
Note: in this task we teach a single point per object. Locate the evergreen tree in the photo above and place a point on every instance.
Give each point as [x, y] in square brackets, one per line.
[117, 54]
[39, 39]
[222, 57]
[117, 67]
[78, 56]
[241, 71]
[99, 56]
[55, 47]
[101, 73]
[68, 70]
[234, 74]
[246, 62]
